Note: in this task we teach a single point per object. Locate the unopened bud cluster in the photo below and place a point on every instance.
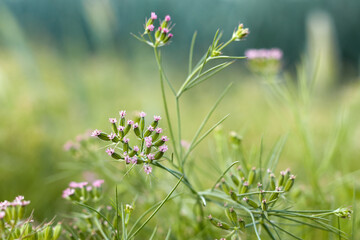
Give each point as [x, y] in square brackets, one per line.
[244, 188]
[150, 144]
[160, 34]
[240, 32]
[15, 225]
[83, 191]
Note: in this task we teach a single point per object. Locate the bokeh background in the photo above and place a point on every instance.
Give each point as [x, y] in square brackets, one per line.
[67, 66]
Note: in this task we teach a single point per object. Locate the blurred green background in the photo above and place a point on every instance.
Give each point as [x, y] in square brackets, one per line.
[67, 66]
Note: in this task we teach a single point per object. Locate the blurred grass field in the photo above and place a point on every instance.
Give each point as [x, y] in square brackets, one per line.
[48, 96]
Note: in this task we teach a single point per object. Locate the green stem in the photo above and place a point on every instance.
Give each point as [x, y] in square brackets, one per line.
[165, 103]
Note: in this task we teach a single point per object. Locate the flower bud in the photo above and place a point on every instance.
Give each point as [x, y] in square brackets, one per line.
[136, 129]
[241, 223]
[272, 182]
[251, 203]
[235, 139]
[289, 183]
[234, 179]
[225, 187]
[233, 195]
[252, 175]
[275, 195]
[281, 179]
[217, 223]
[240, 33]
[244, 188]
[264, 205]
[103, 136]
[241, 172]
[231, 214]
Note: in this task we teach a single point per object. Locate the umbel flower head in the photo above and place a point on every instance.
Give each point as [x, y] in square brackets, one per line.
[143, 147]
[264, 61]
[156, 35]
[83, 191]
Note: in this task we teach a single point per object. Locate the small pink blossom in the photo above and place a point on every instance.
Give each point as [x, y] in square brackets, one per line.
[148, 139]
[134, 160]
[127, 159]
[151, 156]
[130, 122]
[185, 144]
[122, 113]
[125, 140]
[163, 148]
[110, 151]
[2, 214]
[159, 130]
[98, 183]
[148, 144]
[164, 138]
[68, 192]
[95, 133]
[88, 188]
[167, 18]
[142, 114]
[147, 169]
[69, 145]
[78, 185]
[121, 128]
[136, 148]
[112, 136]
[150, 28]
[112, 120]
[165, 30]
[136, 125]
[170, 35]
[153, 16]
[151, 128]
[157, 118]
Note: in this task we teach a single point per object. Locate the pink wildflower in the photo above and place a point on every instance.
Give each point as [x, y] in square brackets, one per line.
[68, 192]
[112, 136]
[151, 128]
[163, 148]
[150, 28]
[142, 114]
[158, 130]
[136, 148]
[125, 140]
[95, 133]
[167, 18]
[164, 138]
[112, 120]
[2, 214]
[130, 122]
[98, 183]
[136, 125]
[127, 159]
[110, 151]
[121, 128]
[147, 169]
[134, 160]
[153, 16]
[157, 118]
[151, 156]
[122, 113]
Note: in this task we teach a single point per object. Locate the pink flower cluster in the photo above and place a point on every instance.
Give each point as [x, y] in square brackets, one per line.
[78, 185]
[273, 53]
[152, 145]
[18, 201]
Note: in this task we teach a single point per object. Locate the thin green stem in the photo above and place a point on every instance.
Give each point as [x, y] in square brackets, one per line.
[165, 103]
